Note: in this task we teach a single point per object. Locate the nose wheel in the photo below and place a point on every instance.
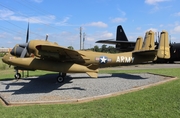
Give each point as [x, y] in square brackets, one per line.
[61, 77]
[17, 76]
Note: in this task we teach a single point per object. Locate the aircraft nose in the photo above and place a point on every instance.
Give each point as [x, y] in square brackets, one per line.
[5, 58]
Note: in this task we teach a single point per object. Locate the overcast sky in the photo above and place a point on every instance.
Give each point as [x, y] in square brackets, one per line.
[62, 19]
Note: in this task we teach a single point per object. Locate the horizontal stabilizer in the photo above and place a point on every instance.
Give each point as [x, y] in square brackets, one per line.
[145, 53]
[92, 74]
[163, 49]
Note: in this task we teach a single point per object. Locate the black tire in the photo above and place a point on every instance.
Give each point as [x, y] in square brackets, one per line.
[60, 79]
[17, 76]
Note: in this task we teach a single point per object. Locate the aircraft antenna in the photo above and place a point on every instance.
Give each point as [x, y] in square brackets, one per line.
[80, 38]
[158, 37]
[84, 35]
[46, 37]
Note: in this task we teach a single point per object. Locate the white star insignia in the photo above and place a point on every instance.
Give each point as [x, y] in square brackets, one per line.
[103, 59]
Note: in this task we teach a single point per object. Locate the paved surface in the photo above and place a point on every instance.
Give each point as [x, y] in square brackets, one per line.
[76, 88]
[148, 66]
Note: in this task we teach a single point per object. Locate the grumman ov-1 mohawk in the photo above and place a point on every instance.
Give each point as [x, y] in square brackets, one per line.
[45, 55]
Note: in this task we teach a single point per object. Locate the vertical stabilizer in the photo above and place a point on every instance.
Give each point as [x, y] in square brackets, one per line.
[120, 35]
[148, 43]
[163, 49]
[139, 43]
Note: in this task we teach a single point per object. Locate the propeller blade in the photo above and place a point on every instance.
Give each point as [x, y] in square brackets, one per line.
[23, 45]
[23, 54]
[27, 36]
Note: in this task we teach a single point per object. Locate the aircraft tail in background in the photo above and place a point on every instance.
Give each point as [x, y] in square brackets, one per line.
[120, 34]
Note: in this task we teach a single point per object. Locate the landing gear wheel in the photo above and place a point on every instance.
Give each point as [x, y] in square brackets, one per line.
[60, 79]
[17, 76]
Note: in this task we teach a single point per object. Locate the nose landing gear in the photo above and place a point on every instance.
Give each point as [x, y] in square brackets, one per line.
[17, 76]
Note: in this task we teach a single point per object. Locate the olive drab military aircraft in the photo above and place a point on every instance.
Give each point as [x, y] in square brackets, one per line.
[45, 55]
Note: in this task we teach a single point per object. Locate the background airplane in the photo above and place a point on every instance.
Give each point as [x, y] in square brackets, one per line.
[121, 42]
[123, 45]
[45, 55]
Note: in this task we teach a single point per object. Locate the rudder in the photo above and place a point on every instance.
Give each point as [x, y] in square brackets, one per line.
[120, 35]
[139, 43]
[148, 43]
[164, 49]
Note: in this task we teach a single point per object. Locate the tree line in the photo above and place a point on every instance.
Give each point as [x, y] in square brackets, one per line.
[103, 48]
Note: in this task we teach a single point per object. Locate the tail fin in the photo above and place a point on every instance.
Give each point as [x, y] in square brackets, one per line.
[148, 43]
[120, 35]
[163, 49]
[139, 43]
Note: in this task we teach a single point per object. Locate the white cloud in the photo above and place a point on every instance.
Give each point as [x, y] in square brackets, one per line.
[100, 36]
[105, 35]
[177, 14]
[154, 2]
[9, 42]
[118, 20]
[42, 19]
[97, 24]
[63, 22]
[38, 1]
[152, 29]
[138, 28]
[10, 15]
[177, 29]
[17, 38]
[3, 35]
[161, 25]
[122, 12]
[4, 13]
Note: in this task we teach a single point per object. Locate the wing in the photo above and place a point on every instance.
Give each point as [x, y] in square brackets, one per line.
[111, 41]
[59, 53]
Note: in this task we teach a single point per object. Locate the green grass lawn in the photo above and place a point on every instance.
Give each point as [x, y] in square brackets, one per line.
[158, 101]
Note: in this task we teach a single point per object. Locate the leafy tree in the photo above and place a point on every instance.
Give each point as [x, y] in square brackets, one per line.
[96, 48]
[70, 47]
[111, 49]
[103, 48]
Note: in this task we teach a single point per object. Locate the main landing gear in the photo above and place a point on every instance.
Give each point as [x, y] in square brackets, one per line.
[61, 77]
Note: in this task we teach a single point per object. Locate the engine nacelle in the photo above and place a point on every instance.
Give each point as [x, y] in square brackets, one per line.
[33, 46]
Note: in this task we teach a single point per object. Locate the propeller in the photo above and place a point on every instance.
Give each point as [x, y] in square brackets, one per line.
[24, 52]
[21, 50]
